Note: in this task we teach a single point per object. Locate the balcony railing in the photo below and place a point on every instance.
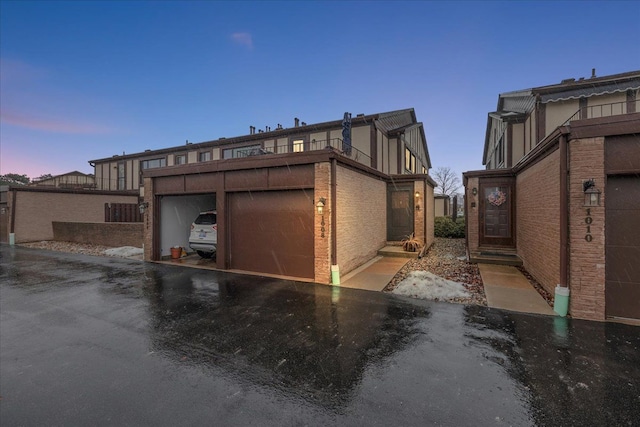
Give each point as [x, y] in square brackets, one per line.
[604, 110]
[335, 144]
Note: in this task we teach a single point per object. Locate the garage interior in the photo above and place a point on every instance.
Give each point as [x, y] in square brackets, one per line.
[176, 215]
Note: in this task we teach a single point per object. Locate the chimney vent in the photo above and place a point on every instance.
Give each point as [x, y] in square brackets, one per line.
[252, 130]
[593, 73]
[279, 126]
[296, 122]
[303, 124]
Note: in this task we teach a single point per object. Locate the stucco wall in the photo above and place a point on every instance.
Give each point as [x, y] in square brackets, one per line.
[559, 112]
[587, 259]
[35, 211]
[538, 219]
[362, 217]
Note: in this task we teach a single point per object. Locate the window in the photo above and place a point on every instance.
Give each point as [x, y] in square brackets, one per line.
[247, 150]
[121, 176]
[298, 145]
[409, 161]
[181, 159]
[204, 156]
[151, 164]
[154, 163]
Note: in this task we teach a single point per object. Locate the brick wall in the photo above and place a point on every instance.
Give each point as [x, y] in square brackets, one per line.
[418, 215]
[430, 212]
[538, 219]
[148, 220]
[114, 234]
[35, 211]
[362, 217]
[472, 219]
[322, 245]
[587, 259]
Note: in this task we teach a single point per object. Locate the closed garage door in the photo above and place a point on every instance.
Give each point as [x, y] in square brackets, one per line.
[272, 232]
[623, 246]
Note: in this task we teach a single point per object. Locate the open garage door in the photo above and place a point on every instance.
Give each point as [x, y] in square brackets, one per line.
[272, 232]
[622, 248]
[176, 215]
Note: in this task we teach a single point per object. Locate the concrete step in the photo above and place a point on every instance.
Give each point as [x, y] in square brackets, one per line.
[495, 258]
[397, 251]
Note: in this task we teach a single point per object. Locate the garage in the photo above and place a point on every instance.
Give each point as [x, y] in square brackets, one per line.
[272, 232]
[622, 248]
[176, 215]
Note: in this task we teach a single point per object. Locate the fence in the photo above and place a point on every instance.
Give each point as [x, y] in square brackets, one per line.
[122, 212]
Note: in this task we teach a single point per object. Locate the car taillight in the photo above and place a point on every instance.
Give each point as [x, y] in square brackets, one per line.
[192, 227]
[215, 227]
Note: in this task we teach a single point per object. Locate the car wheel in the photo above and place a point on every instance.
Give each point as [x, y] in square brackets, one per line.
[205, 254]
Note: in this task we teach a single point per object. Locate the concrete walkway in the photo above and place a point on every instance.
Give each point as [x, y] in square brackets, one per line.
[374, 275]
[508, 289]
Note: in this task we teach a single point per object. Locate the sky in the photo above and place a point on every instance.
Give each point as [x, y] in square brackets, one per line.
[84, 80]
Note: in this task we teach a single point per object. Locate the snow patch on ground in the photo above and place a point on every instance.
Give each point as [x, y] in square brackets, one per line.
[426, 285]
[124, 251]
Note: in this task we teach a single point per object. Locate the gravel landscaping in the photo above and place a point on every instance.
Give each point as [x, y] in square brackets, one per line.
[447, 259]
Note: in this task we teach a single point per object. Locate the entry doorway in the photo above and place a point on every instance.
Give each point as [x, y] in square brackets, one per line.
[400, 218]
[496, 207]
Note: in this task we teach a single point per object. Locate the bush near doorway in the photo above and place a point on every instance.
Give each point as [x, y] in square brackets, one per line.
[446, 227]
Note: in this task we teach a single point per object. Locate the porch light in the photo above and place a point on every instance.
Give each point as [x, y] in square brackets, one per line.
[143, 207]
[591, 193]
[417, 195]
[320, 205]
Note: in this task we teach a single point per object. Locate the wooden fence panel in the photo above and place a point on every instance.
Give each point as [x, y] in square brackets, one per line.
[122, 212]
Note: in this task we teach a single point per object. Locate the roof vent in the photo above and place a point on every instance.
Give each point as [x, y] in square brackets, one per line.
[593, 73]
[360, 115]
[147, 150]
[565, 81]
[303, 124]
[296, 122]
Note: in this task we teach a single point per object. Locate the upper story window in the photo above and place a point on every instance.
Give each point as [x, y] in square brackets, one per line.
[204, 156]
[122, 182]
[180, 159]
[409, 161]
[247, 150]
[297, 145]
[153, 163]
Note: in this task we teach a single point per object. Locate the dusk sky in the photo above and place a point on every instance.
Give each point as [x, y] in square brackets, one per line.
[86, 80]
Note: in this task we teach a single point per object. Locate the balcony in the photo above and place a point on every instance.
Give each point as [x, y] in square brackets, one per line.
[605, 110]
[335, 144]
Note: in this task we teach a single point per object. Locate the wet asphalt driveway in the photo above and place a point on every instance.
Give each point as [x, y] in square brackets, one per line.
[101, 341]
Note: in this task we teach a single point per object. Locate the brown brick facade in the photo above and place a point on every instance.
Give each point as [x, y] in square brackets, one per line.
[587, 258]
[114, 234]
[472, 219]
[538, 219]
[322, 245]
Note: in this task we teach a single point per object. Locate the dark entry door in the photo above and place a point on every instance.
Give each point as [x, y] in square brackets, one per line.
[496, 213]
[622, 247]
[399, 212]
[272, 232]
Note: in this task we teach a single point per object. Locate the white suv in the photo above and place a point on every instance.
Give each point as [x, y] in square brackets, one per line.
[204, 234]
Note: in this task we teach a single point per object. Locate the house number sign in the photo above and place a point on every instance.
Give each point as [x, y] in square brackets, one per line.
[588, 220]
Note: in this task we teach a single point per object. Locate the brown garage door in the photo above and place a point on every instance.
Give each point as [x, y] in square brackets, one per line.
[623, 246]
[272, 232]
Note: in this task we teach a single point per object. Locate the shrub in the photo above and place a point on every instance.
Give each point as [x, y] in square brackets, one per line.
[445, 227]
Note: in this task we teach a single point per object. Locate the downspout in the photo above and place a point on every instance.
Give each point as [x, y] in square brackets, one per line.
[561, 300]
[334, 214]
[12, 230]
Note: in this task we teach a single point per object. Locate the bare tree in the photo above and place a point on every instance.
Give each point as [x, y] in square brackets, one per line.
[447, 180]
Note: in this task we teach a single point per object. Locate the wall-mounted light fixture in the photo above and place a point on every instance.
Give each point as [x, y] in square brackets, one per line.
[320, 205]
[591, 193]
[417, 195]
[143, 207]
[474, 191]
[320, 208]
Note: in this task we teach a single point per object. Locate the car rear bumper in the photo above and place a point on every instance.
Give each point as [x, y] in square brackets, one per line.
[202, 246]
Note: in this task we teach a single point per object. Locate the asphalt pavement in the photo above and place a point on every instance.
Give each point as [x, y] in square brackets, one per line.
[102, 341]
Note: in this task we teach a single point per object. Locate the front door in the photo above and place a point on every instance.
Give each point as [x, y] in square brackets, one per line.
[400, 212]
[496, 213]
